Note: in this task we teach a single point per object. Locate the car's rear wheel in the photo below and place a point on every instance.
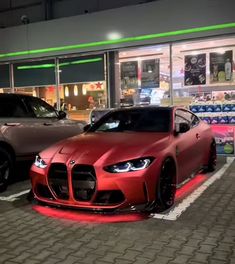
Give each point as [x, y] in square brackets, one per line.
[212, 158]
[6, 169]
[166, 187]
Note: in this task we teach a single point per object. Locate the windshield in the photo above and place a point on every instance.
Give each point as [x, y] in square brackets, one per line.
[138, 120]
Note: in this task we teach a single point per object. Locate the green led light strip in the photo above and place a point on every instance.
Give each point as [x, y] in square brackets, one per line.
[122, 40]
[41, 66]
[46, 66]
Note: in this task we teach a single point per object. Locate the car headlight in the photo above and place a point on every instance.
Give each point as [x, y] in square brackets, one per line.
[39, 162]
[130, 165]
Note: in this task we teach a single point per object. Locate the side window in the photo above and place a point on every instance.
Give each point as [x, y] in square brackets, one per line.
[187, 117]
[11, 107]
[195, 120]
[40, 108]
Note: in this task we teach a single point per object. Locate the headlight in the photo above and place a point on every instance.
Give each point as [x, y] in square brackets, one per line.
[130, 165]
[39, 162]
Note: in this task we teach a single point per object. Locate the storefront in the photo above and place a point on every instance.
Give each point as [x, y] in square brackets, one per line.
[75, 84]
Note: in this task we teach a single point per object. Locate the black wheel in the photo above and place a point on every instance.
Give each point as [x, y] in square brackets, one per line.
[6, 169]
[212, 158]
[166, 187]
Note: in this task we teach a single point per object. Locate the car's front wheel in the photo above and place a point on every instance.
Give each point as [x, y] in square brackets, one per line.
[6, 169]
[166, 187]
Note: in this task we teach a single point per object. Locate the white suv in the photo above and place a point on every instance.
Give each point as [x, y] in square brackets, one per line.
[27, 126]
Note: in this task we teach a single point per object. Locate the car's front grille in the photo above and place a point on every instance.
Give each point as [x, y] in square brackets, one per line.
[58, 180]
[83, 182]
[43, 191]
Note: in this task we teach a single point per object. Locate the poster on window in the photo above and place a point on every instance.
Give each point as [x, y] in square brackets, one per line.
[224, 137]
[129, 74]
[221, 68]
[150, 73]
[195, 69]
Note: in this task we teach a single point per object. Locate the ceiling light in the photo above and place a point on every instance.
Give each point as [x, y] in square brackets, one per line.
[114, 35]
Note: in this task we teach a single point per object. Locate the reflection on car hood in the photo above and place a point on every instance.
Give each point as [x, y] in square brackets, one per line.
[107, 148]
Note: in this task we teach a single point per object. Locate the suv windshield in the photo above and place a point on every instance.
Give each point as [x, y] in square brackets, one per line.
[138, 120]
[40, 108]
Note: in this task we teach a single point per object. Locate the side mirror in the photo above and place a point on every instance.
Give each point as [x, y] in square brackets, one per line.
[181, 127]
[62, 114]
[86, 127]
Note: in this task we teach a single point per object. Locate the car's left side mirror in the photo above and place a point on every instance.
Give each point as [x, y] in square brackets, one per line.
[181, 127]
[62, 114]
[86, 127]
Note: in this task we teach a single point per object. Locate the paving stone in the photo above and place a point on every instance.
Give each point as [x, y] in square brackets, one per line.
[130, 255]
[161, 260]
[168, 252]
[43, 255]
[221, 255]
[110, 257]
[200, 257]
[186, 250]
[21, 258]
[208, 249]
[180, 259]
[119, 261]
[216, 261]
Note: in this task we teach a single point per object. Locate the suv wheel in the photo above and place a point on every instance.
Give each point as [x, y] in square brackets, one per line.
[6, 169]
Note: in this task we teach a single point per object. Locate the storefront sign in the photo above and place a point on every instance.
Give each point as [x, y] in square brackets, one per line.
[221, 66]
[150, 73]
[195, 69]
[224, 137]
[129, 74]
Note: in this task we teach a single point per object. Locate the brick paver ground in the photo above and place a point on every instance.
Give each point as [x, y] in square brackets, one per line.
[205, 233]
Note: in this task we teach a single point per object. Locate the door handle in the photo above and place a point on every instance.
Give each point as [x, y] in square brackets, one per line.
[197, 136]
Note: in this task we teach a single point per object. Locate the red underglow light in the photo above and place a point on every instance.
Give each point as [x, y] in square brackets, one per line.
[89, 217]
[190, 186]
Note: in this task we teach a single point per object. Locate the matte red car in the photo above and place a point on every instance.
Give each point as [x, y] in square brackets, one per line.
[131, 158]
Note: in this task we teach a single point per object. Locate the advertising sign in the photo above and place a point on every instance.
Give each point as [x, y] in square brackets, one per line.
[150, 73]
[224, 137]
[129, 74]
[221, 66]
[195, 69]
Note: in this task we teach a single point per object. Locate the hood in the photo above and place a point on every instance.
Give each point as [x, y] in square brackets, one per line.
[107, 148]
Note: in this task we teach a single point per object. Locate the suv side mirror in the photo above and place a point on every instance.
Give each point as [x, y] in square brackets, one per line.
[62, 114]
[181, 127]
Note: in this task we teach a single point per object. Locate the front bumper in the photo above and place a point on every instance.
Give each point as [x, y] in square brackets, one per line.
[132, 191]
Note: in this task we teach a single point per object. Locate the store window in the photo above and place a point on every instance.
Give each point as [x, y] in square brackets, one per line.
[145, 76]
[5, 78]
[83, 85]
[203, 72]
[36, 78]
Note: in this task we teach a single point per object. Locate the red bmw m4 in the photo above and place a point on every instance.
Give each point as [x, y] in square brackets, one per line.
[131, 158]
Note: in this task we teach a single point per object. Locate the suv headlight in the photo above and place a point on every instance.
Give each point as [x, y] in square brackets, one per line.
[130, 165]
[39, 162]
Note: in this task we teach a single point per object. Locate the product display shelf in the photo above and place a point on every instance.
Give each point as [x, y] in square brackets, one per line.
[216, 112]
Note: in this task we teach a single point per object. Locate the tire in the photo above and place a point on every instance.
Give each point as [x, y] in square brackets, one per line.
[6, 169]
[166, 187]
[212, 158]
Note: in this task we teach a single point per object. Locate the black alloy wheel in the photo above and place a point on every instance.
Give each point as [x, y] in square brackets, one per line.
[166, 187]
[212, 157]
[6, 168]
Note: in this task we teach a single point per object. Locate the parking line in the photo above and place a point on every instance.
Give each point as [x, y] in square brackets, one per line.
[174, 213]
[13, 197]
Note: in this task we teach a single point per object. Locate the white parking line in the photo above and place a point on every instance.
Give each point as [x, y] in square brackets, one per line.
[174, 213]
[13, 197]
